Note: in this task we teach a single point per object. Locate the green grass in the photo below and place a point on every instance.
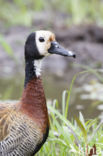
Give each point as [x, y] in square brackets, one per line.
[6, 46]
[71, 137]
[19, 12]
[78, 11]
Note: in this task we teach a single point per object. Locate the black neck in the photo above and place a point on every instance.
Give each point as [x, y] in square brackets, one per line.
[29, 71]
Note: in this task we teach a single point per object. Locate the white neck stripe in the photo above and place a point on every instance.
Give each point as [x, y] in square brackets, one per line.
[37, 67]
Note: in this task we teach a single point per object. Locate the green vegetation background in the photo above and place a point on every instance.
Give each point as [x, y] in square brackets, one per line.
[79, 11]
[66, 138]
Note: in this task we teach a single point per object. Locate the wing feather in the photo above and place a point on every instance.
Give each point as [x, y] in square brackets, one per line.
[5, 110]
[18, 134]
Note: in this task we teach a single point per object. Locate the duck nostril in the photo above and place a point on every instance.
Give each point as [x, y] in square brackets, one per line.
[74, 55]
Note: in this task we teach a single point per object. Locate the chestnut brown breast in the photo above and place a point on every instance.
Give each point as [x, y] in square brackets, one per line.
[34, 103]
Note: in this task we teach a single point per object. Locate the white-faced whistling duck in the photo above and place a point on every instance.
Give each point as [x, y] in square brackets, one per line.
[24, 126]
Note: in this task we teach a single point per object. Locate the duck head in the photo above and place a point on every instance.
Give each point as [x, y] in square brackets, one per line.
[43, 43]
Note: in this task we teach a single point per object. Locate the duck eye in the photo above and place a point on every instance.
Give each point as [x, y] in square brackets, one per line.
[41, 39]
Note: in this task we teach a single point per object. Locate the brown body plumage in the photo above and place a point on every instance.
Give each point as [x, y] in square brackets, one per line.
[28, 119]
[24, 125]
[33, 100]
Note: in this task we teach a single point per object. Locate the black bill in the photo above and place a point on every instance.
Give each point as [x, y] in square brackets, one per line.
[56, 48]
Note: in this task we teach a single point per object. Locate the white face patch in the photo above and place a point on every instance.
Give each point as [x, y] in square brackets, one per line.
[44, 45]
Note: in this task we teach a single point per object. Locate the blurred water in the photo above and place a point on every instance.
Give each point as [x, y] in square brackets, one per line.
[11, 89]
